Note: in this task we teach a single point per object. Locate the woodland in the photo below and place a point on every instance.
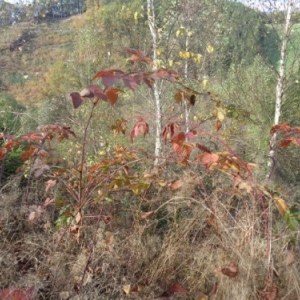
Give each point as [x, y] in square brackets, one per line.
[149, 150]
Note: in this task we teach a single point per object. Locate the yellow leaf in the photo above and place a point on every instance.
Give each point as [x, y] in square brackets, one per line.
[235, 166]
[157, 63]
[243, 185]
[171, 61]
[180, 31]
[190, 33]
[205, 82]
[201, 296]
[158, 51]
[126, 288]
[281, 205]
[186, 55]
[221, 114]
[78, 217]
[162, 183]
[210, 49]
[136, 18]
[197, 58]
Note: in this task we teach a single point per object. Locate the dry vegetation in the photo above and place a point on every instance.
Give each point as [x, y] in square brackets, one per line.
[195, 233]
[202, 239]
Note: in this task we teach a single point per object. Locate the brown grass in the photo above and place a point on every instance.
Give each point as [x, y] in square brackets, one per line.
[189, 239]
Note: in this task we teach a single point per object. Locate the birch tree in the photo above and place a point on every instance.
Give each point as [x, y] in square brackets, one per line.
[281, 81]
[156, 92]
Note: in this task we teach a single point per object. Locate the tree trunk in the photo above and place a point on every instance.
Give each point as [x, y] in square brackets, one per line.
[186, 104]
[280, 84]
[156, 93]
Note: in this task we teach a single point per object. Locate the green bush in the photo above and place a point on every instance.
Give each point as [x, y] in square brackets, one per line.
[10, 113]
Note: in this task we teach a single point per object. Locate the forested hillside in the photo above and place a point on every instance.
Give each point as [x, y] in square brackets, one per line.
[149, 150]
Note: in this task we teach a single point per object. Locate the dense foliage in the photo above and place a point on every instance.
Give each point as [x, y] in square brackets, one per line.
[90, 210]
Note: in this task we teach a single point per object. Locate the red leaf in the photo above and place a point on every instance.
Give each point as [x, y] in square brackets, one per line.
[178, 96]
[138, 56]
[296, 141]
[179, 138]
[148, 80]
[2, 154]
[181, 148]
[17, 294]
[130, 81]
[147, 214]
[209, 158]
[32, 137]
[285, 143]
[102, 73]
[186, 151]
[172, 289]
[109, 73]
[190, 135]
[109, 80]
[50, 184]
[175, 185]
[169, 131]
[166, 294]
[28, 153]
[284, 127]
[230, 270]
[163, 73]
[9, 137]
[11, 144]
[50, 130]
[94, 91]
[218, 125]
[192, 99]
[160, 73]
[141, 127]
[112, 97]
[177, 288]
[77, 100]
[203, 148]
[39, 168]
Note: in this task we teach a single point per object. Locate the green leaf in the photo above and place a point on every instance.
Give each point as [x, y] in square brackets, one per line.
[291, 220]
[139, 188]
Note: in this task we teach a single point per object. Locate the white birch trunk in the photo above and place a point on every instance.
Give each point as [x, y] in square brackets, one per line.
[186, 105]
[158, 113]
[280, 83]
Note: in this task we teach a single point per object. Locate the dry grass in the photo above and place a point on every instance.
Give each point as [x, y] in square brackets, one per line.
[188, 240]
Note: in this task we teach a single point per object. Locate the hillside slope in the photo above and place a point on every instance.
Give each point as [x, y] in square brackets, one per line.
[27, 50]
